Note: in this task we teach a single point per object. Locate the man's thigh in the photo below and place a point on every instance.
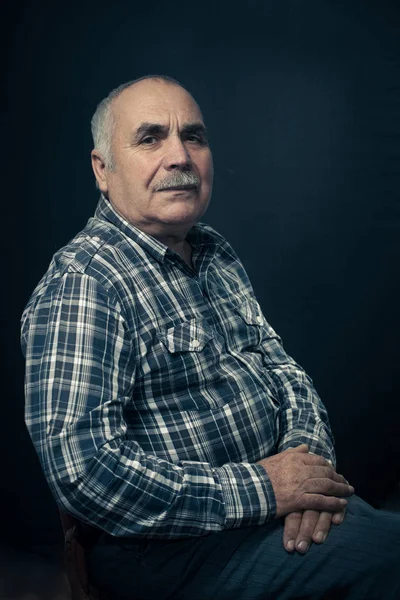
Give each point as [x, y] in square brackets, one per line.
[359, 560]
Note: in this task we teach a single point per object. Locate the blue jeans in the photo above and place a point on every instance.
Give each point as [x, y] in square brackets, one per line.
[359, 560]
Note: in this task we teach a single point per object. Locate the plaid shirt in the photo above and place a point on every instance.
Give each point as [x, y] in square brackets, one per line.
[152, 389]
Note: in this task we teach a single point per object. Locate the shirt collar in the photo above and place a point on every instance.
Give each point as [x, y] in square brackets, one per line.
[196, 236]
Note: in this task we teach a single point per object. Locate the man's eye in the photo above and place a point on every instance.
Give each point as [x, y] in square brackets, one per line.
[149, 139]
[196, 138]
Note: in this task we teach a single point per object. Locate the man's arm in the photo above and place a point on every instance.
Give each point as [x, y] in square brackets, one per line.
[80, 372]
[303, 419]
[303, 416]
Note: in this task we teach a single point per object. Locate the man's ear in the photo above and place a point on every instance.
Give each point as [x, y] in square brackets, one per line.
[99, 170]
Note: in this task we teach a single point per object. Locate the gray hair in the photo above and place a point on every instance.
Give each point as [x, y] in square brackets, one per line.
[103, 122]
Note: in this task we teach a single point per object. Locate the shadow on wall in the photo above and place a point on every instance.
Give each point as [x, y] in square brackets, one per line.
[33, 575]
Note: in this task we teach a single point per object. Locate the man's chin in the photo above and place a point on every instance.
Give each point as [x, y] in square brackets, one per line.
[187, 220]
[182, 213]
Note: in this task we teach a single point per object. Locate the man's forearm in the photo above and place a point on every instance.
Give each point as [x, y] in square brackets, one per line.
[303, 417]
[126, 492]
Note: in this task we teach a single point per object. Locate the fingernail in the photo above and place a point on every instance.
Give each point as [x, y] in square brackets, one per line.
[338, 519]
[320, 537]
[302, 546]
[290, 545]
[343, 502]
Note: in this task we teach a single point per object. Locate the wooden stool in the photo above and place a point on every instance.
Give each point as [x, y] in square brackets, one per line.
[78, 539]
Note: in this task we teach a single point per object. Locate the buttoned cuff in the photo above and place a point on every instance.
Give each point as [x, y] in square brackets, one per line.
[247, 493]
[318, 444]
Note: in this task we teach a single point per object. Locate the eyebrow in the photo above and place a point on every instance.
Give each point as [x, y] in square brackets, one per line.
[144, 129]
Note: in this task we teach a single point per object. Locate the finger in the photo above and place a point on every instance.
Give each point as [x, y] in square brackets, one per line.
[328, 487]
[321, 502]
[307, 527]
[291, 529]
[338, 517]
[322, 527]
[322, 472]
[340, 478]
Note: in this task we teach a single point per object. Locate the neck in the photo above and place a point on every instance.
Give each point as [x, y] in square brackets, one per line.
[178, 244]
[184, 250]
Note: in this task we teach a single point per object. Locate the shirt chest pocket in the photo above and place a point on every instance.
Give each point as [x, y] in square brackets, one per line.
[185, 365]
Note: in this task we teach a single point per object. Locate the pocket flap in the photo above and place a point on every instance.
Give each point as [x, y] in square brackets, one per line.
[250, 312]
[189, 336]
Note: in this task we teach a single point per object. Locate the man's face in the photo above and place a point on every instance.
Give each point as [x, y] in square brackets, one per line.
[159, 142]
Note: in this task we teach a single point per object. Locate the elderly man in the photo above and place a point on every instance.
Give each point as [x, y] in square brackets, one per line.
[161, 403]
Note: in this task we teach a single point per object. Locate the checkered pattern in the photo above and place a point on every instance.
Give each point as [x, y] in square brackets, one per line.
[152, 390]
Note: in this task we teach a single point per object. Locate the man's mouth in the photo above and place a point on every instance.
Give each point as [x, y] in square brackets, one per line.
[179, 188]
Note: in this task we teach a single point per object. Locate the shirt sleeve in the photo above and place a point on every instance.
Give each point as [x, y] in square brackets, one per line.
[303, 416]
[80, 373]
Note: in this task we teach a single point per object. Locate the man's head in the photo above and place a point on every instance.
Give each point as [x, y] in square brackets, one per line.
[149, 136]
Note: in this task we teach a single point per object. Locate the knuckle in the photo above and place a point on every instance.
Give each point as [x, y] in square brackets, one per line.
[324, 526]
[318, 485]
[331, 486]
[334, 488]
[311, 485]
[329, 473]
[310, 501]
[291, 534]
[321, 502]
[307, 529]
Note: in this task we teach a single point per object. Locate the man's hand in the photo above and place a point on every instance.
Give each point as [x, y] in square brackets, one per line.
[303, 528]
[303, 481]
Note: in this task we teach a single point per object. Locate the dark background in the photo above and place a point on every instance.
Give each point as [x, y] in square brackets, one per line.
[302, 100]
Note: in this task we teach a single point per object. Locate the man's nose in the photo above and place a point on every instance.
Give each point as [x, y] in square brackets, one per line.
[177, 155]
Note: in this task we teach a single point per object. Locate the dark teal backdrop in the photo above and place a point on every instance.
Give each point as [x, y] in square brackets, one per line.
[302, 100]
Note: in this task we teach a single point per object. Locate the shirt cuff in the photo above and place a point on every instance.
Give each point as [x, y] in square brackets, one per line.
[316, 443]
[247, 493]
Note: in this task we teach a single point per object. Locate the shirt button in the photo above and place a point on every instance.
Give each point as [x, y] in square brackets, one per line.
[195, 343]
[259, 319]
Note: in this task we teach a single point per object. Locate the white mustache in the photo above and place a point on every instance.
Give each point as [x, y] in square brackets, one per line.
[178, 179]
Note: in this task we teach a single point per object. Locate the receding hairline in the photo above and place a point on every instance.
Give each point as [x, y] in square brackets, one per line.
[157, 79]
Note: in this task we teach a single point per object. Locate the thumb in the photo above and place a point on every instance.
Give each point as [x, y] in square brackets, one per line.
[302, 448]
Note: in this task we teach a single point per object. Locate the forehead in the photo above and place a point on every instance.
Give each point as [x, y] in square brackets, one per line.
[154, 101]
